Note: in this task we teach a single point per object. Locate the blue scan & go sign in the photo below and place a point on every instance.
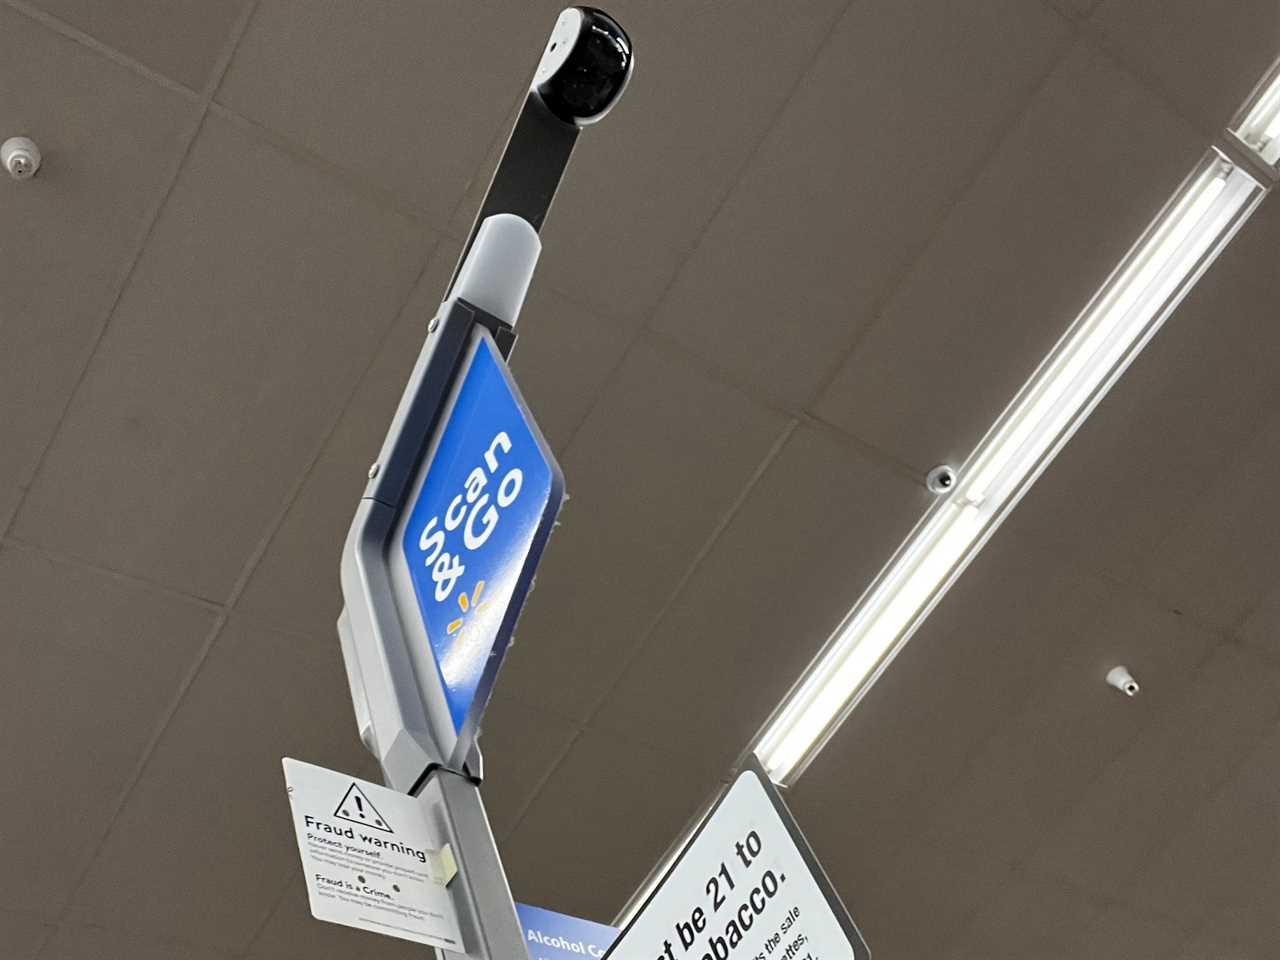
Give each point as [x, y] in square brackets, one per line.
[477, 527]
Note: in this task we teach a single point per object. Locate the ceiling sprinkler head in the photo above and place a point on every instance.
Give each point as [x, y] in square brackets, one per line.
[20, 157]
[1122, 680]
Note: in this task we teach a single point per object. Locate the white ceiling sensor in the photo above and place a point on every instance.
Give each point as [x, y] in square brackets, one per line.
[1186, 236]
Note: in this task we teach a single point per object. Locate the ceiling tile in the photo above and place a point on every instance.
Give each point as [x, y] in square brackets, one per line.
[1076, 8]
[852, 180]
[404, 93]
[773, 587]
[564, 359]
[522, 744]
[982, 657]
[1210, 947]
[1013, 264]
[22, 934]
[204, 846]
[1052, 921]
[1190, 404]
[600, 824]
[1159, 783]
[709, 80]
[296, 583]
[1222, 869]
[182, 39]
[111, 142]
[917, 907]
[1038, 763]
[293, 933]
[1207, 58]
[1222, 556]
[1261, 631]
[91, 665]
[228, 358]
[98, 943]
[650, 476]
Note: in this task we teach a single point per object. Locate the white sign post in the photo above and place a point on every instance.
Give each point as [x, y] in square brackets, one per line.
[746, 887]
[371, 857]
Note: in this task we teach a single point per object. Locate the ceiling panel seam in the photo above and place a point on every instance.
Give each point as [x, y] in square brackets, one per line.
[629, 656]
[105, 323]
[1067, 13]
[788, 430]
[969, 763]
[1103, 44]
[864, 449]
[220, 623]
[730, 184]
[1140, 590]
[367, 189]
[270, 912]
[203, 951]
[299, 484]
[228, 52]
[148, 232]
[1090, 896]
[144, 760]
[1102, 899]
[1146, 859]
[68, 32]
[523, 810]
[886, 296]
[212, 606]
[1085, 27]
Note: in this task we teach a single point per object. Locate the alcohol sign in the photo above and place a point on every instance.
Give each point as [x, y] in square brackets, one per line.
[558, 936]
[746, 887]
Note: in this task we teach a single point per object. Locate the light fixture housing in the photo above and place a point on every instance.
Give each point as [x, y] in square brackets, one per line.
[1184, 238]
[1257, 125]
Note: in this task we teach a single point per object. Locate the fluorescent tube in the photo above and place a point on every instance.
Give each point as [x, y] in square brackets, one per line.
[1258, 124]
[1151, 280]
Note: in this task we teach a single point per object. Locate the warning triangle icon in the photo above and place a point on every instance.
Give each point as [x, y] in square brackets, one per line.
[357, 808]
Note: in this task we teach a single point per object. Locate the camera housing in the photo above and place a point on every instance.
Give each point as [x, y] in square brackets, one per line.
[585, 67]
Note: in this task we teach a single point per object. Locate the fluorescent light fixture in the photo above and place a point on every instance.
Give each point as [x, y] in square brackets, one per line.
[1258, 124]
[1149, 283]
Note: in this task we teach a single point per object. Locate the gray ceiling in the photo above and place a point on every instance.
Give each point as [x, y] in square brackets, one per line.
[812, 254]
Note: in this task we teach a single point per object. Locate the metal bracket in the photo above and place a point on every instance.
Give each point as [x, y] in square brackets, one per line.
[1230, 146]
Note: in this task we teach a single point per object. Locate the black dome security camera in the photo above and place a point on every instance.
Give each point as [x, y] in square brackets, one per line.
[585, 67]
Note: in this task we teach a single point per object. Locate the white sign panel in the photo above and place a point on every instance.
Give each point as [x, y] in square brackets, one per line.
[745, 888]
[370, 858]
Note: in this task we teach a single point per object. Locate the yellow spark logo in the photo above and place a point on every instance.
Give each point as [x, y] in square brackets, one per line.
[467, 604]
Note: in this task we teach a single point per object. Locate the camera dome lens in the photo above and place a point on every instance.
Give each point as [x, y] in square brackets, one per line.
[593, 74]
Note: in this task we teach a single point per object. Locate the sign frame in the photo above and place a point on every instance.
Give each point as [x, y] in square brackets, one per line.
[753, 767]
[420, 648]
[400, 705]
